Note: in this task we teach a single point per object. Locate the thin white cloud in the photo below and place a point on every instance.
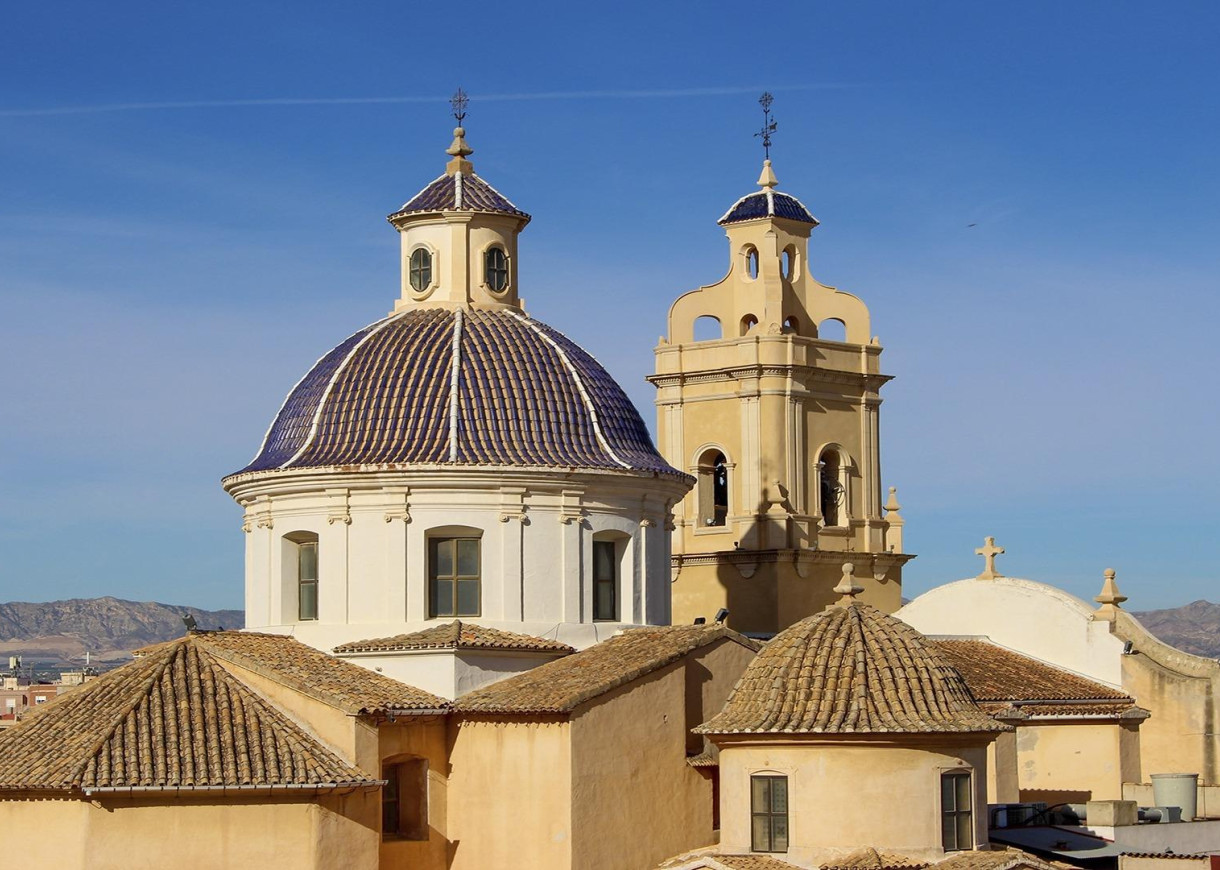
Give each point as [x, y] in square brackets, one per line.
[102, 108]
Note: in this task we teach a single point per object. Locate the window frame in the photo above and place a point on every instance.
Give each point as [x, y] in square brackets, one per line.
[303, 545]
[404, 799]
[770, 814]
[489, 270]
[412, 268]
[612, 581]
[951, 817]
[454, 577]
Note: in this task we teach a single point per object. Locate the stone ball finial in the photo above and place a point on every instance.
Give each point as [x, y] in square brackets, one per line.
[1110, 598]
[848, 588]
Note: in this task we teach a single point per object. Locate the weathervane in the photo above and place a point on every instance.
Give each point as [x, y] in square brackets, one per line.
[769, 124]
[458, 102]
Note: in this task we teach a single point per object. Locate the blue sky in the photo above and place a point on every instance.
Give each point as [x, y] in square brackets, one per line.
[192, 204]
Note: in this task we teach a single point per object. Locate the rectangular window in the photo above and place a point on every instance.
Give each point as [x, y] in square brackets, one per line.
[453, 577]
[307, 580]
[957, 827]
[769, 813]
[605, 581]
[404, 800]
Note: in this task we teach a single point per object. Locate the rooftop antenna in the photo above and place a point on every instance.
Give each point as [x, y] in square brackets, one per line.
[769, 124]
[458, 101]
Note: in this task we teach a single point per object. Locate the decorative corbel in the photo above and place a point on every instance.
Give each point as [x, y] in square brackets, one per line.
[401, 510]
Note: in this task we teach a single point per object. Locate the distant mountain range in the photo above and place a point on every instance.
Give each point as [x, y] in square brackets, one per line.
[1192, 628]
[57, 634]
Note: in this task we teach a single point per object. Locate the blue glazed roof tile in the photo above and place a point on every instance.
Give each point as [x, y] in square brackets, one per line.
[767, 203]
[526, 396]
[460, 192]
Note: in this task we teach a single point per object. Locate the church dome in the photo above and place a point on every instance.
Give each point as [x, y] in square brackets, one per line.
[850, 669]
[441, 386]
[768, 204]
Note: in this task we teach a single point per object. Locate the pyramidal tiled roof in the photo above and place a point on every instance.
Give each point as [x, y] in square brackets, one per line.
[850, 669]
[767, 203]
[459, 191]
[173, 718]
[562, 685]
[311, 672]
[464, 387]
[457, 635]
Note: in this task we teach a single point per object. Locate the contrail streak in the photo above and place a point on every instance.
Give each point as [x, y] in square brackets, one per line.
[102, 108]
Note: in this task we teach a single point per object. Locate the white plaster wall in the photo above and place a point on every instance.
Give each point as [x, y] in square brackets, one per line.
[536, 529]
[1031, 618]
[447, 673]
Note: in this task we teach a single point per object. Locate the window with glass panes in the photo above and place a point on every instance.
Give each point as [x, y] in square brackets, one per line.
[496, 269]
[307, 580]
[769, 813]
[956, 819]
[421, 269]
[453, 577]
[605, 581]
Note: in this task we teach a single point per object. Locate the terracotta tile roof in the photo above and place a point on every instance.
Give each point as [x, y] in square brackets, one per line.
[311, 672]
[850, 670]
[712, 861]
[1189, 856]
[562, 685]
[997, 674]
[995, 859]
[1101, 709]
[173, 718]
[457, 635]
[526, 396]
[869, 858]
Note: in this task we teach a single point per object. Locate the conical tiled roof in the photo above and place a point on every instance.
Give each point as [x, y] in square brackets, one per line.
[173, 718]
[467, 387]
[850, 669]
[457, 635]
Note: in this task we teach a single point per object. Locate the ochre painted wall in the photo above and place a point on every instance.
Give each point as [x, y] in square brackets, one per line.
[631, 785]
[511, 787]
[1071, 762]
[329, 833]
[837, 793]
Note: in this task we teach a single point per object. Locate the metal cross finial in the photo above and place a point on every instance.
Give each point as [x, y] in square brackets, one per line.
[989, 551]
[769, 124]
[458, 102]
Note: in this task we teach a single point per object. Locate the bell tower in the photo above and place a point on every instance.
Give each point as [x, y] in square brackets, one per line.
[779, 423]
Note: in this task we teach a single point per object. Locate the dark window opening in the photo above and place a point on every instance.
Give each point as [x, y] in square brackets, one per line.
[957, 818]
[307, 580]
[769, 813]
[404, 800]
[605, 581]
[496, 269]
[421, 269]
[453, 577]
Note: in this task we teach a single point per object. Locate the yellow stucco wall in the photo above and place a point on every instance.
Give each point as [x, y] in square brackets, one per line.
[844, 795]
[1074, 761]
[512, 796]
[423, 738]
[631, 785]
[331, 833]
[1180, 690]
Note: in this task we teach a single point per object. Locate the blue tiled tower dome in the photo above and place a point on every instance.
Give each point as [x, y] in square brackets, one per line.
[488, 387]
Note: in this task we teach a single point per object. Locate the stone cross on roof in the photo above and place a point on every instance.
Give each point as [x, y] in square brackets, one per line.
[989, 551]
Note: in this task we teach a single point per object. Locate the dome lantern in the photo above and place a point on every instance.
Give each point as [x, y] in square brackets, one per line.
[459, 237]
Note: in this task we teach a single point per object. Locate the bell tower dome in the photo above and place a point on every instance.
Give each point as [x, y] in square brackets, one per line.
[779, 424]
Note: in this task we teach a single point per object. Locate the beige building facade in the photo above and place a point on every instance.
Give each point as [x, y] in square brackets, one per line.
[779, 424]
